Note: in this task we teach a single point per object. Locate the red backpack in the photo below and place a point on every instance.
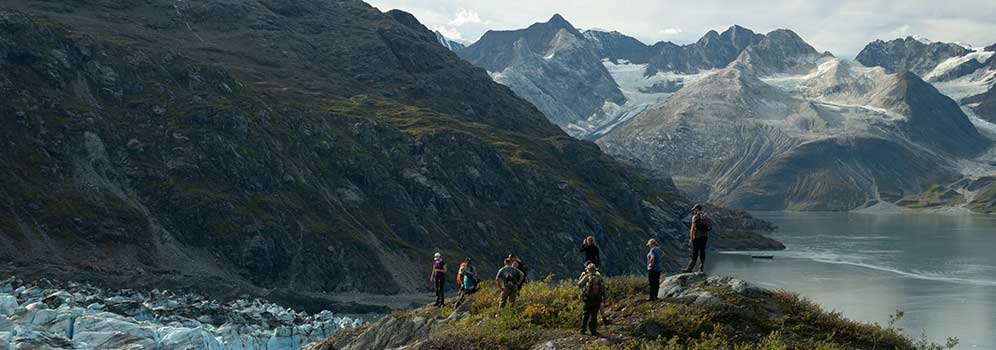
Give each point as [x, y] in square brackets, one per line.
[459, 278]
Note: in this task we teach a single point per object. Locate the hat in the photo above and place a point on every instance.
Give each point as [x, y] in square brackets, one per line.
[437, 256]
[468, 259]
[697, 206]
[587, 262]
[652, 242]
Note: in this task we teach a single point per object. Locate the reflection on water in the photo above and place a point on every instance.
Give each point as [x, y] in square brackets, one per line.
[940, 269]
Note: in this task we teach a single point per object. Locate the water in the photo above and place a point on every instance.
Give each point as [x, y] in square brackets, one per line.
[939, 269]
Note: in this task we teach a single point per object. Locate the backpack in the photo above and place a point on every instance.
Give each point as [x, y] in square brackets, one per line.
[459, 277]
[705, 224]
[508, 278]
[594, 288]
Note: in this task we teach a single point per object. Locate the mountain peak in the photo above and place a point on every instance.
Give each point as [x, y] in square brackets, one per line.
[559, 20]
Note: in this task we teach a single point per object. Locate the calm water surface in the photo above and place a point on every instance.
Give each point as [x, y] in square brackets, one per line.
[939, 269]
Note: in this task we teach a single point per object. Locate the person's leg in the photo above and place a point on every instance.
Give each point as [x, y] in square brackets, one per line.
[439, 291]
[504, 299]
[692, 257]
[513, 294]
[585, 315]
[654, 279]
[702, 253]
[593, 322]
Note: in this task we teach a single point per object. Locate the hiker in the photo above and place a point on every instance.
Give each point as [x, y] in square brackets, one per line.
[584, 274]
[519, 264]
[467, 278]
[655, 266]
[698, 235]
[438, 277]
[590, 250]
[592, 286]
[509, 280]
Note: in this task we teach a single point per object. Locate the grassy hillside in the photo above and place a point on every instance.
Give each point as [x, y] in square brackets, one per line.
[697, 312]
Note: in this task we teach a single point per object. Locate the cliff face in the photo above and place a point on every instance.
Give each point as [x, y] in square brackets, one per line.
[253, 146]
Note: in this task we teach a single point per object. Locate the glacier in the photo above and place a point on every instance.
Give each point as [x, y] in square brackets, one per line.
[44, 315]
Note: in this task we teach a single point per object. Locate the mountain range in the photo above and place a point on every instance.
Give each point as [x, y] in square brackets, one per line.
[289, 147]
[766, 121]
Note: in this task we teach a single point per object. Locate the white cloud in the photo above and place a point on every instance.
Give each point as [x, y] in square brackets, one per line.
[450, 33]
[465, 16]
[670, 31]
[901, 32]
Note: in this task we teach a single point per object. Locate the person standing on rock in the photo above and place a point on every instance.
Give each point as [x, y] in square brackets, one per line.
[655, 266]
[590, 250]
[509, 280]
[698, 235]
[592, 293]
[438, 278]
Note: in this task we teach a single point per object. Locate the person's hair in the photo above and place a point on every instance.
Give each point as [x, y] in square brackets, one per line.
[652, 242]
[590, 240]
[508, 261]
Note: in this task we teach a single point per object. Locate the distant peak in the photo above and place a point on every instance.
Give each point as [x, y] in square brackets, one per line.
[557, 18]
[737, 28]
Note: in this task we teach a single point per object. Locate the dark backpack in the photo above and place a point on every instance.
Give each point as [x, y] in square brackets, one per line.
[594, 288]
[705, 224]
[508, 278]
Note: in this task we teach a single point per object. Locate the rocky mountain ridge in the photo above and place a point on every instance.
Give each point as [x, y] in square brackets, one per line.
[288, 149]
[772, 107]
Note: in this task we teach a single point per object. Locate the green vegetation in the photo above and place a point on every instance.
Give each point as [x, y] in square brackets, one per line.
[548, 311]
[933, 197]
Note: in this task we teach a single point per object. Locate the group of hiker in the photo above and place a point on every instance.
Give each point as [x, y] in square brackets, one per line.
[512, 275]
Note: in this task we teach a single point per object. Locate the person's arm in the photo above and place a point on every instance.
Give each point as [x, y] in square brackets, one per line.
[653, 258]
[691, 230]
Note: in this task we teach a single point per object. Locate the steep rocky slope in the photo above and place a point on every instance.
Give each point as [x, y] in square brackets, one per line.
[550, 64]
[912, 54]
[786, 127]
[278, 147]
[447, 43]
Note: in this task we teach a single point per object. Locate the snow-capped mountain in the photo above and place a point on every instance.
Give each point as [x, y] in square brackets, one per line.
[965, 74]
[556, 68]
[765, 120]
[911, 53]
[553, 66]
[447, 43]
[786, 127]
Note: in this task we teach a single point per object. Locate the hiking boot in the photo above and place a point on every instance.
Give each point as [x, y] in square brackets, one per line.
[596, 334]
[686, 270]
[583, 332]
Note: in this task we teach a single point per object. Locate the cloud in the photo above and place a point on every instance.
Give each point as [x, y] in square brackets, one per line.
[901, 32]
[450, 33]
[465, 16]
[670, 31]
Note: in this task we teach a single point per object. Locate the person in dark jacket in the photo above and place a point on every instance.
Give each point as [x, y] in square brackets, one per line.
[590, 250]
[698, 235]
[437, 277]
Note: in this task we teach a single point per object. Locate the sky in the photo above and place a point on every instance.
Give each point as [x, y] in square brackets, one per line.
[842, 27]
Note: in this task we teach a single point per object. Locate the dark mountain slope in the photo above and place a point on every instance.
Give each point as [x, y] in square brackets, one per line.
[284, 147]
[908, 54]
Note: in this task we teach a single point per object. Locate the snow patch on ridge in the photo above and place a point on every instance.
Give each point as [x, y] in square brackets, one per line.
[641, 92]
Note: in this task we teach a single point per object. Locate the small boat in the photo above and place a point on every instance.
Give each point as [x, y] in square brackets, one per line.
[769, 257]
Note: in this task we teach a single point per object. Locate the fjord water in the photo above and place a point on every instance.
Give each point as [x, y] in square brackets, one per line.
[939, 269]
